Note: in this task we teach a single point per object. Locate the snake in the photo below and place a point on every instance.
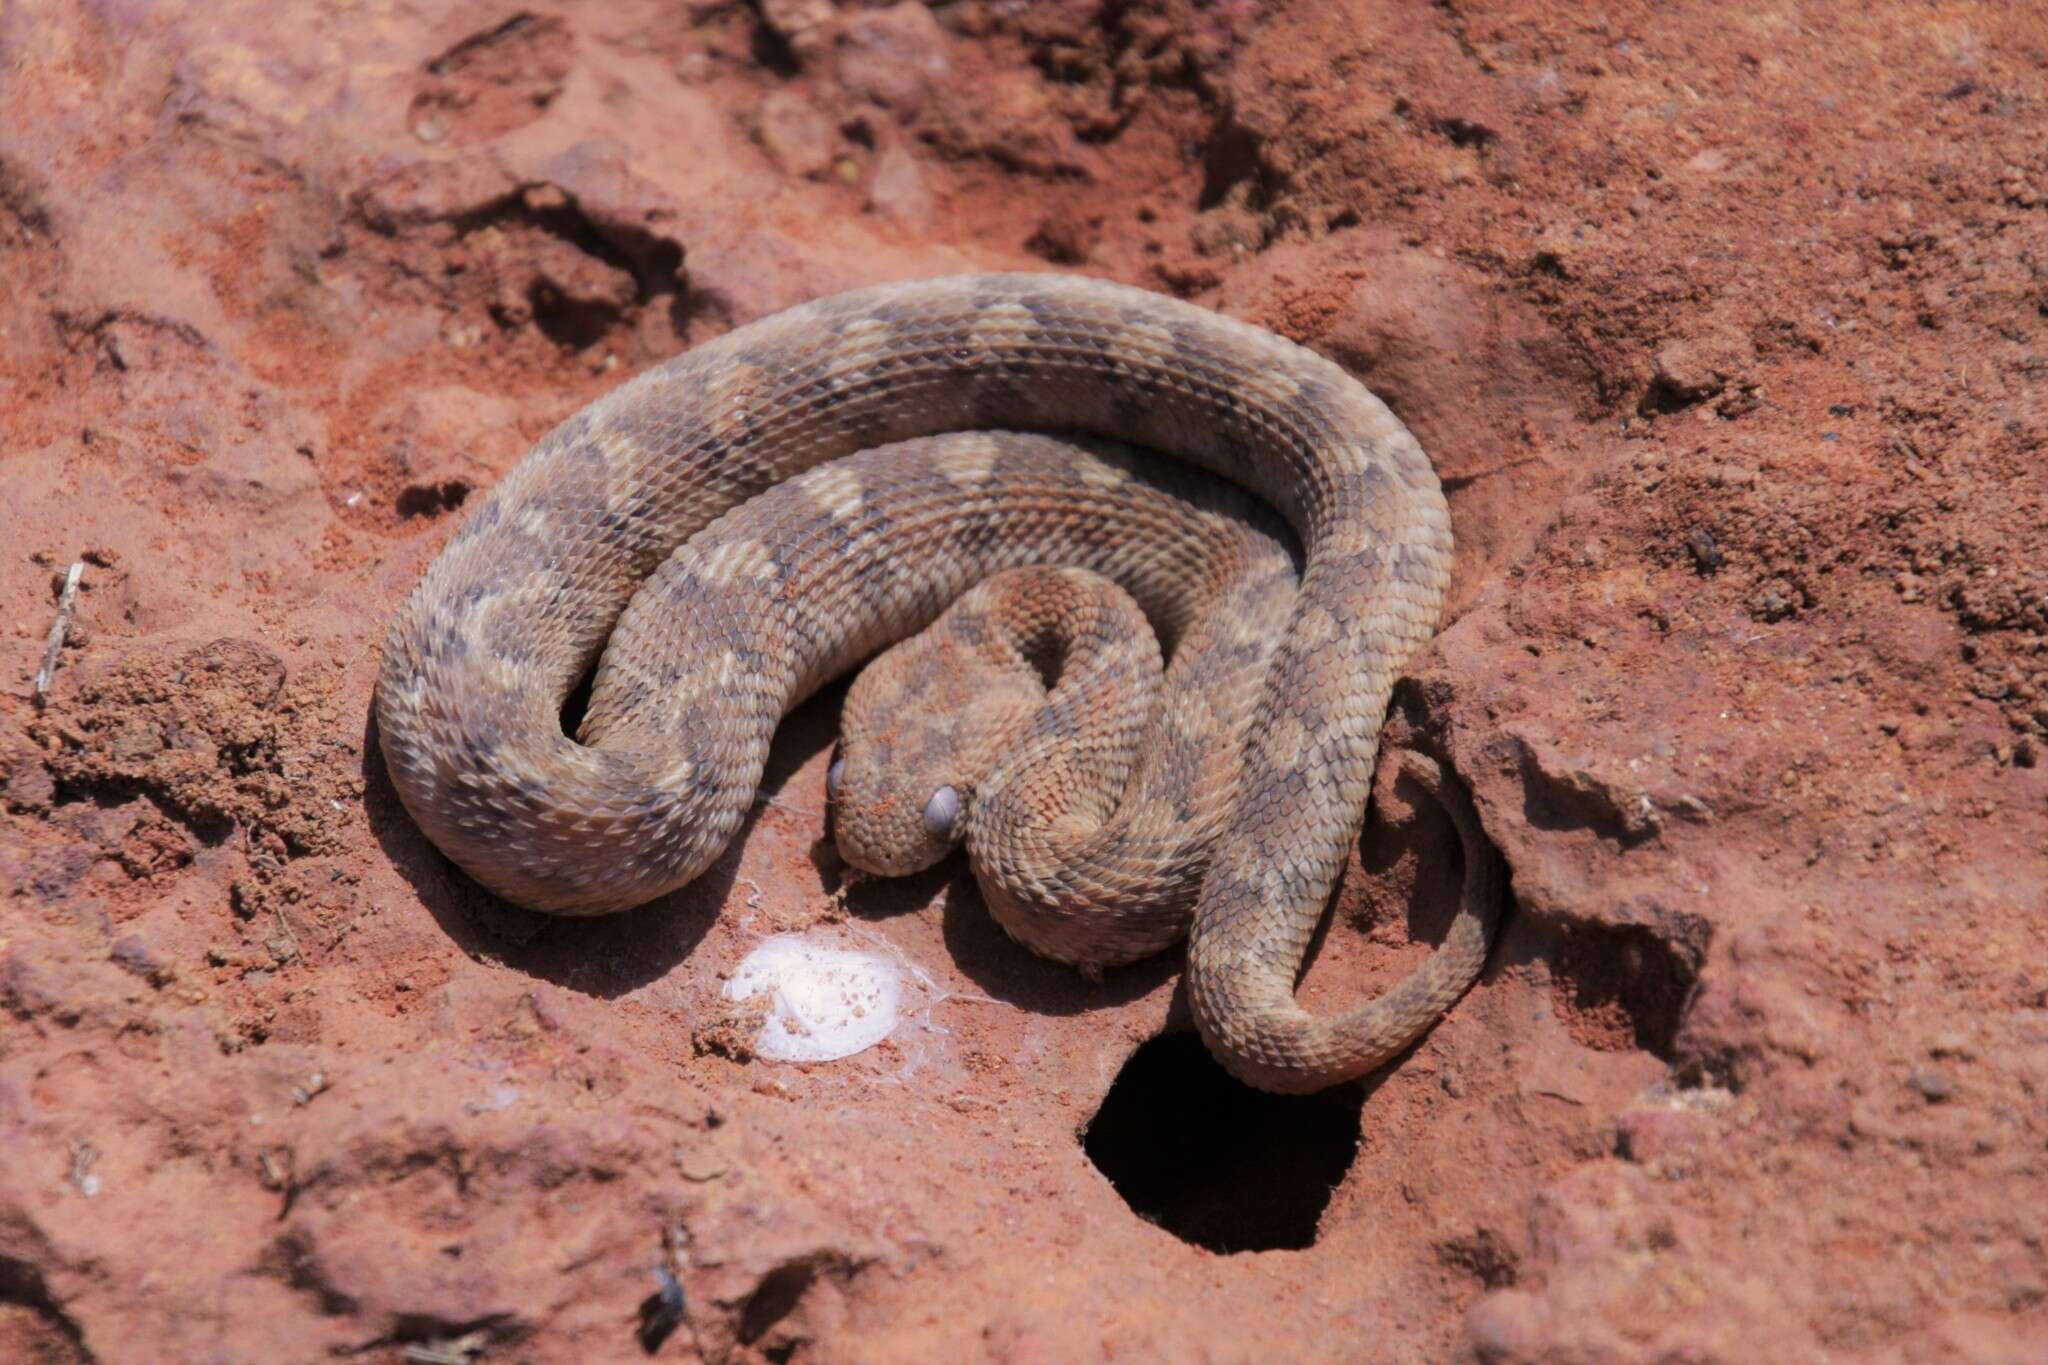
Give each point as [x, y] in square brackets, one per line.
[647, 544]
[1036, 720]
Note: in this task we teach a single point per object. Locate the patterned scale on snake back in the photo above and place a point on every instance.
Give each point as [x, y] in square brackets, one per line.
[1088, 791]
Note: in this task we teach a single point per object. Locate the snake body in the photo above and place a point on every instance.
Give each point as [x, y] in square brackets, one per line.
[589, 532]
[1088, 781]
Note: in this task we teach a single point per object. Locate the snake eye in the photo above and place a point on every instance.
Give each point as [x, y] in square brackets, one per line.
[941, 811]
[833, 775]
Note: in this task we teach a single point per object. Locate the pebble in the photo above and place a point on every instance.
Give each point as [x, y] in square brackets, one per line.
[894, 56]
[1931, 1085]
[898, 190]
[1706, 553]
[796, 136]
[1950, 1044]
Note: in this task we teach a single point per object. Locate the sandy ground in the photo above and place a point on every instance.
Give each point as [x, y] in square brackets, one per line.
[1727, 327]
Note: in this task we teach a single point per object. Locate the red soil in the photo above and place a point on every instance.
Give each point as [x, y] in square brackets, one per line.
[1728, 331]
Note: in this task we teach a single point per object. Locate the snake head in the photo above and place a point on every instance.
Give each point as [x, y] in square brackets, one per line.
[923, 726]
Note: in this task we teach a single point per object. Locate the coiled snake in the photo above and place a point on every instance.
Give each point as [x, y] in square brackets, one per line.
[628, 532]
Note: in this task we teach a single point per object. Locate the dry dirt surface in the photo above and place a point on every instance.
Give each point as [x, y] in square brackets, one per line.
[1727, 326]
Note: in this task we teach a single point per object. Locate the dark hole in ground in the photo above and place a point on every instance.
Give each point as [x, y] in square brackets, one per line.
[432, 499]
[774, 1299]
[1463, 132]
[772, 51]
[1627, 985]
[1215, 1162]
[1664, 397]
[1231, 155]
[660, 1312]
[568, 321]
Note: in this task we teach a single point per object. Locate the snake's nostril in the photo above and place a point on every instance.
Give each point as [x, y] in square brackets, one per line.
[941, 811]
[833, 775]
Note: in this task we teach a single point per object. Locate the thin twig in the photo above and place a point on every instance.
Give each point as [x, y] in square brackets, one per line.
[67, 602]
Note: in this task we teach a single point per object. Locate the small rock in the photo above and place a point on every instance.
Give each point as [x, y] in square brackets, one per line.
[136, 741]
[30, 788]
[133, 956]
[1666, 1142]
[1065, 238]
[1934, 301]
[544, 279]
[1950, 1044]
[695, 68]
[1774, 602]
[425, 191]
[1931, 1085]
[1731, 476]
[898, 190]
[894, 56]
[1746, 398]
[796, 136]
[1508, 1324]
[1228, 230]
[1705, 551]
[1692, 368]
[1011, 119]
[803, 25]
[1917, 732]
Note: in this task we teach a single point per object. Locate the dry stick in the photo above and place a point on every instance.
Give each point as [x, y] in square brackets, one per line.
[67, 602]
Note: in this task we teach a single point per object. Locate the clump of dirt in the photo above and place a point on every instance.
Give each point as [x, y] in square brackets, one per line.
[160, 753]
[204, 733]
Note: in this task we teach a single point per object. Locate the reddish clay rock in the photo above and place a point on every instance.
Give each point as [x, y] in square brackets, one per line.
[1486, 384]
[1693, 368]
[797, 137]
[894, 56]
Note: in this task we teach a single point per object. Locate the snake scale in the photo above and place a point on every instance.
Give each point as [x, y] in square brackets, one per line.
[636, 536]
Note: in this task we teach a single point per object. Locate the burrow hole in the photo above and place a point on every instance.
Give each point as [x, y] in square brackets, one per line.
[1215, 1162]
